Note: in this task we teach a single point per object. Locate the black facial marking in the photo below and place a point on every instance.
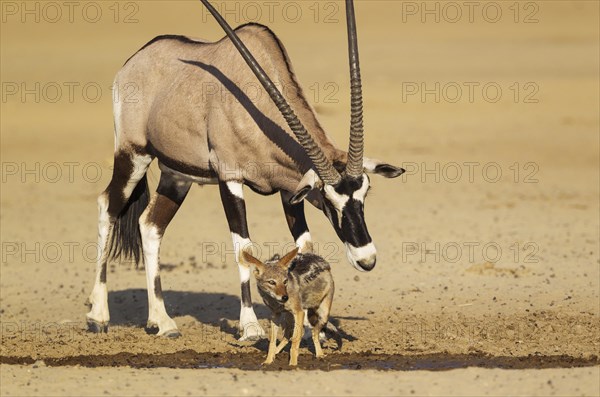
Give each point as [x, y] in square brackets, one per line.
[353, 224]
[351, 228]
[235, 211]
[246, 297]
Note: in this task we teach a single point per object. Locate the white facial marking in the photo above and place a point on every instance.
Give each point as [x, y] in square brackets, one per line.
[357, 254]
[236, 188]
[338, 200]
[370, 164]
[362, 191]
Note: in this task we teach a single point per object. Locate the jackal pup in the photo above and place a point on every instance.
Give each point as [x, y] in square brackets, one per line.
[289, 286]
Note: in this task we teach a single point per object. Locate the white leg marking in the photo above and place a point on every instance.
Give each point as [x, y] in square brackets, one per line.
[304, 242]
[140, 166]
[239, 243]
[249, 326]
[99, 296]
[236, 188]
[157, 314]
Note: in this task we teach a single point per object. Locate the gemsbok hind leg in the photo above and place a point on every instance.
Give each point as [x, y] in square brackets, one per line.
[154, 220]
[122, 202]
[232, 197]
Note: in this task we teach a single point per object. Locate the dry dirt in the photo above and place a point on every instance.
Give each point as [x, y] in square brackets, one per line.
[486, 283]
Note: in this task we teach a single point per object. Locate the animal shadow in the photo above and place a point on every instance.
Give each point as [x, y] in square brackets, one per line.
[130, 308]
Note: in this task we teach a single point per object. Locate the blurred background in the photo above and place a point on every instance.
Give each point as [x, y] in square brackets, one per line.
[492, 107]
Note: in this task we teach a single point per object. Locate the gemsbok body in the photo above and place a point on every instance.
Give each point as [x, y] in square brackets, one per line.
[232, 140]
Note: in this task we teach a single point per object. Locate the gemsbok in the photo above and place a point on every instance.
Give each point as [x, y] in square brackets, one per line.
[231, 141]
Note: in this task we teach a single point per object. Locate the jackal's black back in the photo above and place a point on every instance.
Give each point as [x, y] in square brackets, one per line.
[308, 266]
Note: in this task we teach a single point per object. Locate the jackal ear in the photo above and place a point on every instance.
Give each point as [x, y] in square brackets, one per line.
[246, 259]
[374, 166]
[309, 181]
[287, 258]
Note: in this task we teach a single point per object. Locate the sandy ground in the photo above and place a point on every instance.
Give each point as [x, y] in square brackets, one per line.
[488, 247]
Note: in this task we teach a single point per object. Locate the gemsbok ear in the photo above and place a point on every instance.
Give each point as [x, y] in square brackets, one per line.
[374, 166]
[287, 258]
[309, 181]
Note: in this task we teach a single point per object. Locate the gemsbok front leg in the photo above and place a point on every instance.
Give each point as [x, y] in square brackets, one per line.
[154, 220]
[232, 197]
[294, 215]
[123, 200]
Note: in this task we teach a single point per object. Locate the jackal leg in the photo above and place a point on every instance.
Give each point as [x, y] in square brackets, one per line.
[318, 319]
[272, 342]
[296, 336]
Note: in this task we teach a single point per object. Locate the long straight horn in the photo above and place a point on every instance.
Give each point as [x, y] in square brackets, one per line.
[354, 167]
[323, 166]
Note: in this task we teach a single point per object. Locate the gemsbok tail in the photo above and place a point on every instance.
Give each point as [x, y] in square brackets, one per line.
[126, 240]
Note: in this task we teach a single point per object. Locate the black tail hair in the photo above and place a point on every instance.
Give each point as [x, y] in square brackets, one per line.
[126, 239]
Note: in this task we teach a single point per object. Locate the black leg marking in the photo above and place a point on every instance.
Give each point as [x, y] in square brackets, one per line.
[294, 214]
[103, 273]
[246, 297]
[235, 211]
[158, 288]
[168, 200]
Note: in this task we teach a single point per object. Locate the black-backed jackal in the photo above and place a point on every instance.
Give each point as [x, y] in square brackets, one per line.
[290, 286]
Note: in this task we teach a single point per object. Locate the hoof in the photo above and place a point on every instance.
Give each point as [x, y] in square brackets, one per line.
[251, 338]
[172, 334]
[252, 333]
[96, 327]
[154, 330]
[151, 329]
